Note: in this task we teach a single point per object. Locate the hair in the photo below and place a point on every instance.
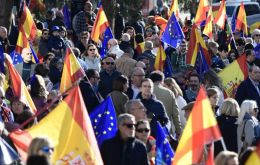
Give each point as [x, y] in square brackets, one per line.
[147, 79]
[249, 52]
[83, 33]
[250, 69]
[122, 117]
[224, 156]
[37, 159]
[90, 73]
[86, 51]
[194, 75]
[175, 88]
[212, 79]
[119, 82]
[42, 70]
[36, 145]
[24, 116]
[38, 88]
[45, 58]
[127, 28]
[230, 107]
[148, 45]
[45, 30]
[211, 92]
[128, 105]
[247, 106]
[125, 37]
[157, 76]
[223, 47]
[142, 122]
[76, 52]
[135, 70]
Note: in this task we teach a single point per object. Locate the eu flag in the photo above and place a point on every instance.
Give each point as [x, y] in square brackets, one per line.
[233, 22]
[7, 154]
[16, 57]
[103, 119]
[168, 70]
[2, 59]
[201, 63]
[66, 18]
[173, 34]
[164, 152]
[107, 36]
[257, 51]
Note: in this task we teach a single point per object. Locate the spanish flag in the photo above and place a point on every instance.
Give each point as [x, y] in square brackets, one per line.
[160, 59]
[254, 158]
[69, 129]
[22, 42]
[201, 129]
[19, 88]
[233, 75]
[175, 8]
[221, 16]
[241, 23]
[209, 25]
[202, 10]
[72, 71]
[100, 25]
[161, 22]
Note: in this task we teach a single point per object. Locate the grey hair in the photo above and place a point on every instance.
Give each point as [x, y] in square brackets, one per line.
[128, 105]
[121, 118]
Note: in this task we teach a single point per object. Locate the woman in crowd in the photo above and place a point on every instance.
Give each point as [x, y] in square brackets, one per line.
[92, 58]
[142, 132]
[227, 158]
[213, 99]
[248, 128]
[119, 98]
[227, 122]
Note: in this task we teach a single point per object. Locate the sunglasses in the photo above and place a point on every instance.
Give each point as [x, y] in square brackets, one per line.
[92, 49]
[130, 126]
[141, 130]
[47, 149]
[109, 63]
[257, 35]
[46, 34]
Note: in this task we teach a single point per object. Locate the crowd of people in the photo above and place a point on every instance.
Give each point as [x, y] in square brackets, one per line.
[141, 95]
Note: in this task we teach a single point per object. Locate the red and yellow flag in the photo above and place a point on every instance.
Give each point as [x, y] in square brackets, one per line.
[161, 22]
[175, 8]
[221, 16]
[19, 88]
[69, 129]
[209, 25]
[72, 71]
[100, 25]
[201, 14]
[241, 23]
[201, 129]
[254, 157]
[233, 75]
[160, 59]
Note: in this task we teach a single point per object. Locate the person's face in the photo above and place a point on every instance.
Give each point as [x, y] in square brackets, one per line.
[214, 100]
[1, 98]
[149, 32]
[137, 77]
[48, 61]
[27, 56]
[125, 87]
[251, 57]
[46, 151]
[142, 132]
[45, 35]
[56, 33]
[92, 51]
[194, 83]
[130, 32]
[233, 161]
[223, 54]
[232, 56]
[3, 33]
[88, 7]
[255, 74]
[255, 111]
[109, 64]
[62, 34]
[257, 38]
[183, 48]
[95, 79]
[139, 111]
[214, 49]
[240, 48]
[17, 107]
[84, 39]
[147, 88]
[127, 128]
[147, 64]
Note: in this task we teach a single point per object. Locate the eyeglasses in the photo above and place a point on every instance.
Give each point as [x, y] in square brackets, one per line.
[47, 149]
[130, 126]
[109, 63]
[257, 35]
[92, 49]
[141, 130]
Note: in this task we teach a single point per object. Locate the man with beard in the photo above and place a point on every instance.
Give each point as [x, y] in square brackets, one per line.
[190, 94]
[179, 56]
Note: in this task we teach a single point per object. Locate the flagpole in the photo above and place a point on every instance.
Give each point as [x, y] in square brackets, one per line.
[223, 144]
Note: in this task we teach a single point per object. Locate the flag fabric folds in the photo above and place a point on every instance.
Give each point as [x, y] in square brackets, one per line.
[100, 25]
[68, 128]
[233, 75]
[164, 152]
[201, 129]
[19, 88]
[7, 154]
[103, 119]
[197, 46]
[72, 71]
[173, 34]
[160, 59]
[66, 13]
[202, 10]
[221, 16]
[241, 23]
[208, 29]
[175, 9]
[168, 70]
[254, 157]
[107, 36]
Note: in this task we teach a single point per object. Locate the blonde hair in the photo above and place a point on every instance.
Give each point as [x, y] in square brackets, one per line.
[224, 156]
[230, 107]
[175, 88]
[247, 106]
[37, 144]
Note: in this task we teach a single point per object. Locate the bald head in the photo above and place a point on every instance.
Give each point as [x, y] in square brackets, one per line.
[27, 55]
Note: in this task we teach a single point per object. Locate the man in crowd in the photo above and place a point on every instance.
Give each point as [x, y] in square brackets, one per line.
[113, 48]
[190, 94]
[135, 107]
[136, 78]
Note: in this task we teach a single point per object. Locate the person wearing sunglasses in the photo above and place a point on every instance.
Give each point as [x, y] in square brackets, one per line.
[43, 44]
[142, 132]
[92, 58]
[40, 146]
[256, 37]
[124, 148]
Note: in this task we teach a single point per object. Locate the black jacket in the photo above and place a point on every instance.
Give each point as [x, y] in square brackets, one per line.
[117, 152]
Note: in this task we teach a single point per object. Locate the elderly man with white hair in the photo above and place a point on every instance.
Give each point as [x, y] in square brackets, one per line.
[113, 48]
[3, 38]
[256, 37]
[26, 68]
